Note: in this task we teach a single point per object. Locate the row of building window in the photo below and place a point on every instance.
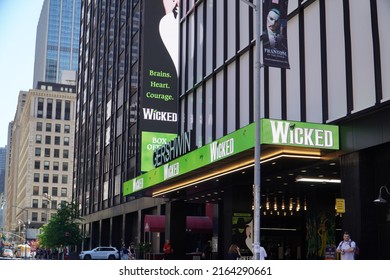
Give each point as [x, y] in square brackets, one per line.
[44, 204]
[57, 127]
[34, 217]
[47, 153]
[57, 140]
[46, 165]
[46, 178]
[44, 215]
[49, 109]
[54, 191]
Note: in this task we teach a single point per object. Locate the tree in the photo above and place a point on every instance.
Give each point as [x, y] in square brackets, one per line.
[63, 229]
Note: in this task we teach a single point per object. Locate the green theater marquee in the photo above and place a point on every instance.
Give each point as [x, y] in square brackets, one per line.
[273, 132]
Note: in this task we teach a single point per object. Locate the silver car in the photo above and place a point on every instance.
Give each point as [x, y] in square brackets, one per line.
[100, 253]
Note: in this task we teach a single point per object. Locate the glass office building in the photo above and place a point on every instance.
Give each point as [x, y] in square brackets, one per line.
[57, 42]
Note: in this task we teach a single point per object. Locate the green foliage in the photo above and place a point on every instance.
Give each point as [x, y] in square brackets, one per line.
[64, 228]
[144, 247]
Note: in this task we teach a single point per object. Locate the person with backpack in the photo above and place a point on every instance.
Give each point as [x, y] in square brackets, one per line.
[346, 248]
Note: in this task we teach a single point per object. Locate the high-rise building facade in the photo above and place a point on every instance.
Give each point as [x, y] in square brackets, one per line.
[41, 160]
[3, 157]
[3, 162]
[57, 41]
[324, 138]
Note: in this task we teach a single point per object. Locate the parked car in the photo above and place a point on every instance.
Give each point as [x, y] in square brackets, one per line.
[8, 253]
[100, 253]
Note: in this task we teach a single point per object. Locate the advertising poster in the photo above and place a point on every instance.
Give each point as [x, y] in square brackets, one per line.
[242, 232]
[275, 51]
[159, 100]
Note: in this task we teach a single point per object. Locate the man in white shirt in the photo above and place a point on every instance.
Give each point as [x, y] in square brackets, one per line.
[346, 248]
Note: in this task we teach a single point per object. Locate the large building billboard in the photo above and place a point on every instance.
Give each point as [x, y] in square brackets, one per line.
[159, 100]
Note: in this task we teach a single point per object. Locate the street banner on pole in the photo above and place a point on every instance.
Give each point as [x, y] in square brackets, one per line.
[275, 50]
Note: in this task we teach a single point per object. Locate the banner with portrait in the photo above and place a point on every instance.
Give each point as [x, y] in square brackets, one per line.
[274, 36]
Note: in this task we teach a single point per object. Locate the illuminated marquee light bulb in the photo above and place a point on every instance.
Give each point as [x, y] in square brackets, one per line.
[275, 204]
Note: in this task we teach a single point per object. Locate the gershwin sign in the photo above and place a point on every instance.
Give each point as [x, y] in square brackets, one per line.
[274, 132]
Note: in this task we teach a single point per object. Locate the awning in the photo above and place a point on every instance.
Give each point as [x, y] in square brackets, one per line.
[156, 223]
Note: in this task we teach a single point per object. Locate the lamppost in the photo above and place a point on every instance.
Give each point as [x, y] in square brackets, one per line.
[48, 198]
[256, 111]
[27, 220]
[21, 222]
[25, 224]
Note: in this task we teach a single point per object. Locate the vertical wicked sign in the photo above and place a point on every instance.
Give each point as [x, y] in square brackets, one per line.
[159, 100]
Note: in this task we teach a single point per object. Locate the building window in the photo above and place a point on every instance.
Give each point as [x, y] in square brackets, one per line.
[56, 153]
[64, 179]
[66, 141]
[38, 139]
[44, 217]
[57, 140]
[37, 152]
[49, 108]
[37, 164]
[39, 126]
[47, 152]
[58, 109]
[45, 203]
[35, 190]
[54, 204]
[54, 191]
[55, 178]
[48, 127]
[67, 110]
[67, 128]
[35, 203]
[64, 192]
[34, 216]
[48, 139]
[45, 190]
[46, 178]
[58, 128]
[65, 153]
[64, 166]
[46, 165]
[40, 108]
[56, 165]
[36, 177]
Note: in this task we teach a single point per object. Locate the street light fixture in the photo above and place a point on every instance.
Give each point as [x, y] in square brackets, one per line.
[49, 200]
[380, 199]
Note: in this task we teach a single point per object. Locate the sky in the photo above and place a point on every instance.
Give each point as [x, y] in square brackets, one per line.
[18, 27]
